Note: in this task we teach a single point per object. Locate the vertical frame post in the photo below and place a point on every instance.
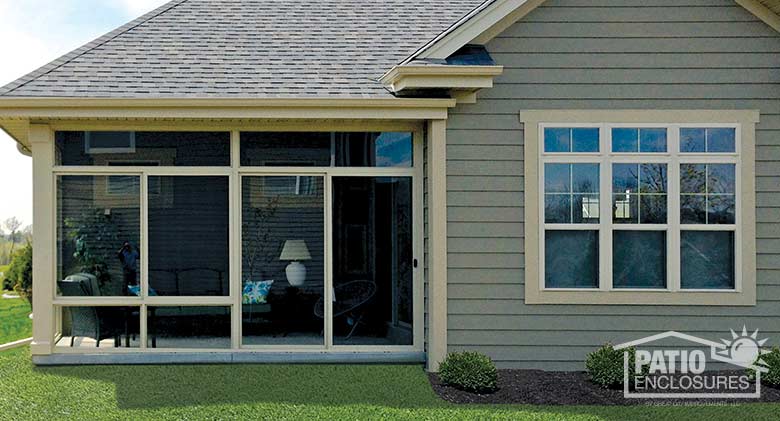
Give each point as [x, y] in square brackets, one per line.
[42, 141]
[437, 243]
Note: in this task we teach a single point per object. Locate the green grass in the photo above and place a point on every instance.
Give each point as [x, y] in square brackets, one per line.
[14, 321]
[277, 392]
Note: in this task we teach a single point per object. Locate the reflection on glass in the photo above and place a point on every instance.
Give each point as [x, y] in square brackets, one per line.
[327, 149]
[639, 259]
[283, 265]
[99, 327]
[188, 237]
[98, 235]
[583, 139]
[708, 193]
[707, 260]
[571, 193]
[571, 259]
[710, 140]
[633, 140]
[373, 262]
[652, 140]
[557, 208]
[188, 327]
[639, 193]
[143, 149]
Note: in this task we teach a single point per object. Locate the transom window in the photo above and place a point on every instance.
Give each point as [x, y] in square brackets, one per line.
[639, 206]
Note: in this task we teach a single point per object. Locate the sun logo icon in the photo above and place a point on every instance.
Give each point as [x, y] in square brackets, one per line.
[744, 349]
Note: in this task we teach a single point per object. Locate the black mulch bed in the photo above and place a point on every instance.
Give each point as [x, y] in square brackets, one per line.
[536, 387]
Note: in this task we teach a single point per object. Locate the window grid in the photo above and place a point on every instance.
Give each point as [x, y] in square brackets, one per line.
[673, 158]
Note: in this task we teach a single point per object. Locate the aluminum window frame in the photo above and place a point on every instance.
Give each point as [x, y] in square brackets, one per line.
[235, 172]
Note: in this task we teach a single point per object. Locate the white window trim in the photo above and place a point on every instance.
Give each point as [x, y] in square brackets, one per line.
[744, 121]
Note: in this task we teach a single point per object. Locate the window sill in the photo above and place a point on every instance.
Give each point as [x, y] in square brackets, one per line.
[642, 297]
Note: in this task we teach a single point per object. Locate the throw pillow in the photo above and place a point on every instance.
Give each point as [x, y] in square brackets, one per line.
[256, 292]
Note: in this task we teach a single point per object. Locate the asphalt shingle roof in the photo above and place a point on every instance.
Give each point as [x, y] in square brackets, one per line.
[248, 49]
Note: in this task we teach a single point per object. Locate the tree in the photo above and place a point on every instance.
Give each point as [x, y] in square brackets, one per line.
[20, 272]
[12, 225]
[27, 234]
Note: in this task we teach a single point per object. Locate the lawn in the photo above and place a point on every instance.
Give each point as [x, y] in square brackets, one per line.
[14, 321]
[276, 392]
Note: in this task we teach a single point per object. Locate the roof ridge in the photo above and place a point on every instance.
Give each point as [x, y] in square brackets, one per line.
[86, 48]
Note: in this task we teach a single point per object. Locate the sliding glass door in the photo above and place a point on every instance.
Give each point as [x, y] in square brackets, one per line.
[373, 261]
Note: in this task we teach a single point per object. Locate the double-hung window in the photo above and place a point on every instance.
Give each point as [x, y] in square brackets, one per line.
[633, 207]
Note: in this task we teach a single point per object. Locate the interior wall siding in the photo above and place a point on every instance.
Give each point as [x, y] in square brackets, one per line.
[602, 54]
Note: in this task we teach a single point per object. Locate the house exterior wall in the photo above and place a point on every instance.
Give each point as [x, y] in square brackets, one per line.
[605, 54]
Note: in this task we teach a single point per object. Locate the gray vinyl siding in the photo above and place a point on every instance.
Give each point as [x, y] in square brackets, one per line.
[599, 54]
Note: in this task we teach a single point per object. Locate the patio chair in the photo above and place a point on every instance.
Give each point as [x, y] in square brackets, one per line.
[349, 300]
[89, 322]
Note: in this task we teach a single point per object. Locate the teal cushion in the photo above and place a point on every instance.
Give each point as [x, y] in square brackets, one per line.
[256, 292]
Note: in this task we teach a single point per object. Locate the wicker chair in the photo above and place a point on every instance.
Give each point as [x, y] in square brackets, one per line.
[90, 322]
[349, 301]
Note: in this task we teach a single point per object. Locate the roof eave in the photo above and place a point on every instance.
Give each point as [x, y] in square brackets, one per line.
[16, 113]
[455, 79]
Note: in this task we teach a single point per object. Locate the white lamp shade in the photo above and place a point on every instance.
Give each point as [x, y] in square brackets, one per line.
[295, 250]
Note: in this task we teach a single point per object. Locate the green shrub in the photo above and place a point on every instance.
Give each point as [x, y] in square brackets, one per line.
[20, 272]
[5, 283]
[771, 361]
[605, 366]
[469, 371]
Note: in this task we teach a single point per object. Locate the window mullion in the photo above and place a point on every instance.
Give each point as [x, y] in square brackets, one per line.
[673, 253]
[605, 221]
[144, 239]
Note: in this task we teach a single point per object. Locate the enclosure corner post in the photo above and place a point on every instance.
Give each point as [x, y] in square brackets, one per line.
[437, 243]
[42, 141]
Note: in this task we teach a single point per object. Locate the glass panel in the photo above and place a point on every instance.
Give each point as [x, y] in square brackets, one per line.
[283, 267]
[693, 178]
[708, 193]
[585, 178]
[571, 259]
[625, 140]
[557, 140]
[181, 149]
[188, 327]
[372, 261]
[625, 178]
[707, 260]
[653, 179]
[99, 327]
[98, 235]
[557, 178]
[721, 209]
[714, 140]
[188, 237]
[721, 178]
[557, 208]
[721, 140]
[571, 193]
[640, 193]
[586, 209]
[652, 140]
[326, 149]
[693, 209]
[585, 140]
[693, 140]
[639, 259]
[625, 208]
[652, 209]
